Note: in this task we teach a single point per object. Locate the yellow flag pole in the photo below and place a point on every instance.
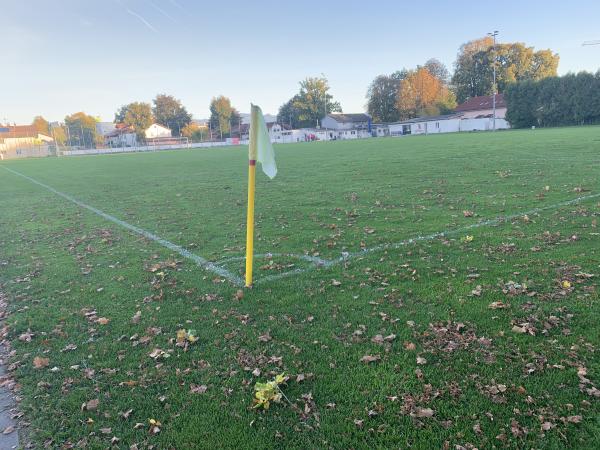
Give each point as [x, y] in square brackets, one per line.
[252, 152]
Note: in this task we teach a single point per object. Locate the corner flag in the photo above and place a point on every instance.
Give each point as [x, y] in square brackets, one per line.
[260, 149]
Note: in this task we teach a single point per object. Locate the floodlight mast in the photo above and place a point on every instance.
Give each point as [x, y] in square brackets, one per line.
[493, 35]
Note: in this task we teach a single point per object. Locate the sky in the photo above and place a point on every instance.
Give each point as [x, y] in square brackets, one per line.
[63, 56]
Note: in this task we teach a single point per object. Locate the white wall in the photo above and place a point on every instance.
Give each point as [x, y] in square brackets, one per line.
[157, 131]
[483, 124]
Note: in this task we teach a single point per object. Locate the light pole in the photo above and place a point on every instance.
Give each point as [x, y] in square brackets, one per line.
[494, 34]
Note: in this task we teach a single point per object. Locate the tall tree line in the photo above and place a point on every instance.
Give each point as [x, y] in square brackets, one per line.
[573, 99]
[430, 90]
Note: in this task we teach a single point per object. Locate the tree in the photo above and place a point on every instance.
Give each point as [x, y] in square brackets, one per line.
[381, 98]
[223, 116]
[289, 114]
[468, 78]
[573, 99]
[81, 130]
[58, 133]
[423, 94]
[169, 111]
[514, 62]
[197, 133]
[438, 70]
[41, 125]
[137, 115]
[309, 105]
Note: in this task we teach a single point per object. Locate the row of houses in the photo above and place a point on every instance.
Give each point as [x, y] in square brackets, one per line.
[476, 114]
[121, 135]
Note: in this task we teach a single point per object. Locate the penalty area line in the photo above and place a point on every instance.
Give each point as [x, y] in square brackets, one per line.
[429, 237]
[204, 263]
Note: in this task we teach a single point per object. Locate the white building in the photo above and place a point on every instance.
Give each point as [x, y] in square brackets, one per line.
[347, 126]
[121, 136]
[483, 107]
[346, 121]
[155, 131]
[449, 123]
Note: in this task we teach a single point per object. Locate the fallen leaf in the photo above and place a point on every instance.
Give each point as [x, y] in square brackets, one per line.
[40, 363]
[102, 320]
[198, 388]
[136, 317]
[423, 412]
[92, 405]
[497, 305]
[369, 358]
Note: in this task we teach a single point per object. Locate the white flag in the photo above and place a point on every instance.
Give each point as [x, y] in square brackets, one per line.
[261, 149]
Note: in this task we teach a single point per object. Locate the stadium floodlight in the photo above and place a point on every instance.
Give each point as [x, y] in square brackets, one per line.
[591, 43]
[493, 35]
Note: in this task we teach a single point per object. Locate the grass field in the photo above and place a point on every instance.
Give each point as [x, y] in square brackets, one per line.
[481, 337]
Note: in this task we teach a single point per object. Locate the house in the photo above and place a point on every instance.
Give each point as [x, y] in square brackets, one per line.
[122, 136]
[103, 128]
[347, 126]
[448, 123]
[22, 141]
[346, 121]
[155, 131]
[483, 107]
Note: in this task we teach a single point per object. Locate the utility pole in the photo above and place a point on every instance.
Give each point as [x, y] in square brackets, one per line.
[494, 34]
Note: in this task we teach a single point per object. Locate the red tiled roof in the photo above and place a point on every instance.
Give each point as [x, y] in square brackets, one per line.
[18, 131]
[482, 102]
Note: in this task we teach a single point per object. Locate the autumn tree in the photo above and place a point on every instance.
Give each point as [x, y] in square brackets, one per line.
[81, 130]
[195, 132]
[58, 133]
[137, 115]
[41, 125]
[169, 111]
[423, 94]
[223, 116]
[438, 69]
[474, 66]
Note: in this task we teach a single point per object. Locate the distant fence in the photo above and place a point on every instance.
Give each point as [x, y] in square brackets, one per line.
[145, 148]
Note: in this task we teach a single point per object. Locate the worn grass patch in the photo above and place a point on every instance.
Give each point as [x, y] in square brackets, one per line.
[477, 339]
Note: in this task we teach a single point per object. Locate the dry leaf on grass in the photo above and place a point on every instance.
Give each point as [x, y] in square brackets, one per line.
[369, 358]
[40, 363]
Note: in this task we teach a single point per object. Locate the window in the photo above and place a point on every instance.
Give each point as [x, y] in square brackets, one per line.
[437, 125]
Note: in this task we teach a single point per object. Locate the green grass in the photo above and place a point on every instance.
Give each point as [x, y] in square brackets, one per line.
[58, 261]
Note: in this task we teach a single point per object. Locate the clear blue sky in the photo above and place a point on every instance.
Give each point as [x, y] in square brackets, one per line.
[63, 56]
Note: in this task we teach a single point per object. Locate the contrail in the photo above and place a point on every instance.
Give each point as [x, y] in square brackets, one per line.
[141, 19]
[163, 12]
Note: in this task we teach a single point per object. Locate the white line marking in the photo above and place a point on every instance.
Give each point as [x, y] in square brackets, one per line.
[318, 262]
[428, 237]
[176, 248]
